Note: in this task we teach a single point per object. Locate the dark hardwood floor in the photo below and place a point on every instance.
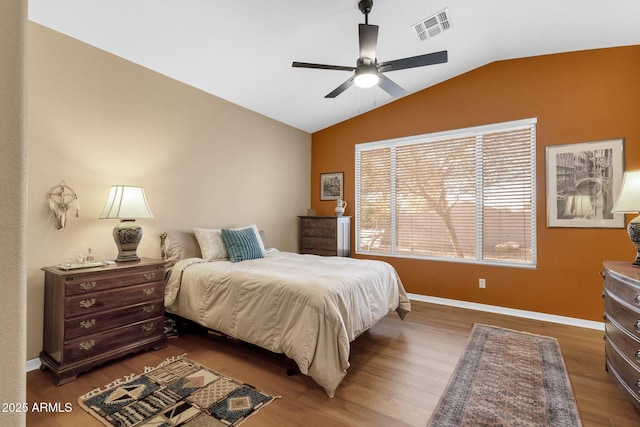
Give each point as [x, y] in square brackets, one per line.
[398, 371]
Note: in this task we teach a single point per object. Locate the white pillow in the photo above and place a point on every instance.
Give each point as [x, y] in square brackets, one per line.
[212, 246]
[258, 236]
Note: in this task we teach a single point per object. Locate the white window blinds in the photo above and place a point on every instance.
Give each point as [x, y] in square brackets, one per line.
[462, 195]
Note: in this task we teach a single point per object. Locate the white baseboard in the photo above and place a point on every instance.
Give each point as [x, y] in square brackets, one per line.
[34, 364]
[590, 324]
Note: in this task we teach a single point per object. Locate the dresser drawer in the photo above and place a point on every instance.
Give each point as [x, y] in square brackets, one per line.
[622, 314]
[90, 324]
[91, 345]
[626, 344]
[627, 373]
[623, 289]
[318, 227]
[318, 245]
[85, 283]
[99, 301]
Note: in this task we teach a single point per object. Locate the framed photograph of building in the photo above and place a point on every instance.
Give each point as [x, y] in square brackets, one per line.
[583, 181]
[332, 186]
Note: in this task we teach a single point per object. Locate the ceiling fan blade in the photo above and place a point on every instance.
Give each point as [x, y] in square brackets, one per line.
[390, 87]
[415, 61]
[368, 40]
[344, 86]
[322, 66]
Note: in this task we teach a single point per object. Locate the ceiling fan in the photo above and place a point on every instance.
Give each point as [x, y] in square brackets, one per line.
[368, 72]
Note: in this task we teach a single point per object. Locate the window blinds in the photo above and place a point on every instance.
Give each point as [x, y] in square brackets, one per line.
[461, 195]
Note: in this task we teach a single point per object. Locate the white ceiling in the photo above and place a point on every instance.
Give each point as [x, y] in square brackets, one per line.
[241, 50]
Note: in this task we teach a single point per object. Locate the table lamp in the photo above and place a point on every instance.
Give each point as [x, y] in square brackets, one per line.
[126, 203]
[629, 202]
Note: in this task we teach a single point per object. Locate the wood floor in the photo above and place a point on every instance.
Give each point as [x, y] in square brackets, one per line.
[398, 371]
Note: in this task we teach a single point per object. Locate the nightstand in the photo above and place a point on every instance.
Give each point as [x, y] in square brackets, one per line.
[98, 314]
[325, 235]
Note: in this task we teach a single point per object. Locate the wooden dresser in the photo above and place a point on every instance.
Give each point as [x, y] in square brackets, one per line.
[324, 235]
[97, 314]
[622, 326]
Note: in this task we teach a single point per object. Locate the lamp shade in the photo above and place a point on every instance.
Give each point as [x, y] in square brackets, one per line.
[126, 202]
[629, 197]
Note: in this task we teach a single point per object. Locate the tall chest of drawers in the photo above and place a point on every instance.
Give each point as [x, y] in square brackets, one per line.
[97, 314]
[325, 235]
[622, 327]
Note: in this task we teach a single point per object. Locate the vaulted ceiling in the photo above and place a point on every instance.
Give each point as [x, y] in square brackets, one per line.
[242, 50]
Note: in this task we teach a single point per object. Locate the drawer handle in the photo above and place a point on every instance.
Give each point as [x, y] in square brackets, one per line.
[147, 327]
[150, 276]
[637, 299]
[89, 302]
[638, 385]
[148, 308]
[149, 291]
[87, 345]
[87, 324]
[87, 286]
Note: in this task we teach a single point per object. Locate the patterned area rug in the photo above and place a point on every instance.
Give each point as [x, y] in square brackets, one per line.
[178, 392]
[508, 378]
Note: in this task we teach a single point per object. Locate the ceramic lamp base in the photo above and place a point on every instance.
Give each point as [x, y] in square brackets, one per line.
[127, 235]
[634, 234]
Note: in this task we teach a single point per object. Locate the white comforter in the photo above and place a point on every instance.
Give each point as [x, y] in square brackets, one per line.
[308, 307]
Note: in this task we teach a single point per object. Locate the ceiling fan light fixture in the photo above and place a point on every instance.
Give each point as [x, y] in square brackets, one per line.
[366, 76]
[368, 72]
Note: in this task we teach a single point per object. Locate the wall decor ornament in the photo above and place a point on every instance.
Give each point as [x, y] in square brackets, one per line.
[331, 186]
[62, 199]
[583, 180]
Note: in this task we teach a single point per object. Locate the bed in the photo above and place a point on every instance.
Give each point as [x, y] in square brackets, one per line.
[306, 307]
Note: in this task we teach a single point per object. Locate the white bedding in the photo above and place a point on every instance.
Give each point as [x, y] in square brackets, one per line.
[305, 306]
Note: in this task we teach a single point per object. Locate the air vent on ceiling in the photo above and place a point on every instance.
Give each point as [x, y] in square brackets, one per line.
[432, 26]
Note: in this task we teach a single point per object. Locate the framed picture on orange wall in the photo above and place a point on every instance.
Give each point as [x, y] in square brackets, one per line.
[583, 182]
[332, 186]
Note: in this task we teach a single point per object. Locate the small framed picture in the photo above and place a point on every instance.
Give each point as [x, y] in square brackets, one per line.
[583, 182]
[332, 186]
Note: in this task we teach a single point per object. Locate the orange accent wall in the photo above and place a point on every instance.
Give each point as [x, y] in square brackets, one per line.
[576, 97]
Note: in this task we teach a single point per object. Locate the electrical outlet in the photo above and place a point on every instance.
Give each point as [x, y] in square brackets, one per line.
[482, 283]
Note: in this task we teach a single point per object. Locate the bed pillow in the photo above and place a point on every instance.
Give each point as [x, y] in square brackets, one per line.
[259, 235]
[263, 240]
[211, 244]
[177, 245]
[241, 244]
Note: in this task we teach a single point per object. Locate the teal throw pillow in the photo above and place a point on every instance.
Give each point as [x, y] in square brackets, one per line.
[241, 244]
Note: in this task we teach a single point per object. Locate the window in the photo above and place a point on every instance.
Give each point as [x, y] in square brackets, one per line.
[465, 195]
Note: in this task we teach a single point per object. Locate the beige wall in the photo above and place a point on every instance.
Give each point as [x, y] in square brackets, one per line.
[96, 120]
[12, 208]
